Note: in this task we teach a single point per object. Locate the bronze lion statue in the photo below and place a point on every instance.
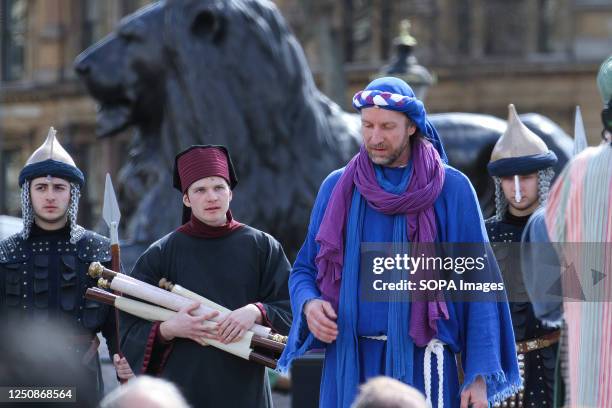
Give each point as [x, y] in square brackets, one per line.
[186, 72]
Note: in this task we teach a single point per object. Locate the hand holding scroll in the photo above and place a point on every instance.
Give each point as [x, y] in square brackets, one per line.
[184, 325]
[236, 323]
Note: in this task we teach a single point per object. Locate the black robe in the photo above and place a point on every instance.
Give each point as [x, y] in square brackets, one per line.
[42, 284]
[538, 365]
[243, 267]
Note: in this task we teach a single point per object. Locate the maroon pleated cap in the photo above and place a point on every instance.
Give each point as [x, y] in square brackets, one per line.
[200, 161]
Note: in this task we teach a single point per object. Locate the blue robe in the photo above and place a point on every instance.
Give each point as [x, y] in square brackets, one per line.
[481, 331]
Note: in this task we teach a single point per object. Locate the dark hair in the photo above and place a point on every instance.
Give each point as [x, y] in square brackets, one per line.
[606, 120]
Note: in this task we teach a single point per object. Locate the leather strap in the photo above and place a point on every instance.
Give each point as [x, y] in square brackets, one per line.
[539, 343]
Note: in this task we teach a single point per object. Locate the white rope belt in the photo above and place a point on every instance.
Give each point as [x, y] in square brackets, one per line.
[382, 337]
[436, 347]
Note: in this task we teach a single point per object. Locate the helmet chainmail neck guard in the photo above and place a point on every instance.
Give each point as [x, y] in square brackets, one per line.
[27, 212]
[544, 181]
[76, 232]
[501, 204]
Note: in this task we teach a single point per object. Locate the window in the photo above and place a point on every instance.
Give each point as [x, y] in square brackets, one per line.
[592, 3]
[358, 30]
[13, 15]
[10, 166]
[386, 35]
[129, 6]
[464, 22]
[93, 24]
[505, 27]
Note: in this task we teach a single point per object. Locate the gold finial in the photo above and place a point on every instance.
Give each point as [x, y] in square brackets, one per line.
[95, 270]
[278, 338]
[103, 283]
[166, 284]
[404, 37]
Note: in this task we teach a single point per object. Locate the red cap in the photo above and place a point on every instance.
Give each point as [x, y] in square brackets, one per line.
[201, 162]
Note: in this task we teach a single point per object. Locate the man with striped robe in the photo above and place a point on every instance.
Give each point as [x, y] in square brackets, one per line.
[578, 219]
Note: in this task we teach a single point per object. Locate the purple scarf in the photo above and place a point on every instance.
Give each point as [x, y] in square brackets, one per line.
[417, 202]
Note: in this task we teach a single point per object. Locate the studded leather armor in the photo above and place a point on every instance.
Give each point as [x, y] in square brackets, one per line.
[45, 277]
[537, 367]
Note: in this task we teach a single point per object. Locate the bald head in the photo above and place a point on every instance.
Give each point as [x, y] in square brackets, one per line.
[385, 392]
[145, 391]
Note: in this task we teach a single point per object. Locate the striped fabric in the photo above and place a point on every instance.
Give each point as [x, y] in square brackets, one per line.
[579, 210]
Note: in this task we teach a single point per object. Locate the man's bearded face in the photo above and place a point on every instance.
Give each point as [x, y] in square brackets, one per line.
[386, 135]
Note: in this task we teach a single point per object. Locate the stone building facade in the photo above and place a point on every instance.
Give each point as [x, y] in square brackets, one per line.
[541, 55]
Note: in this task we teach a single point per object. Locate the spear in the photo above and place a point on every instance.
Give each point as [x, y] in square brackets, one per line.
[112, 215]
[580, 142]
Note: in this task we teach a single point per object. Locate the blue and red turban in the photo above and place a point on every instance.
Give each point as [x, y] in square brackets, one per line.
[394, 94]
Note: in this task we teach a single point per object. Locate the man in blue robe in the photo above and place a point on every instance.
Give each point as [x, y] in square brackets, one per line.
[397, 189]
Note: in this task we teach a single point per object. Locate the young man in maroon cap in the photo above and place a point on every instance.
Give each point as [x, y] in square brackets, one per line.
[230, 263]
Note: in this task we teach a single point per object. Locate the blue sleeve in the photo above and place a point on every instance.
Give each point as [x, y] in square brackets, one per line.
[459, 215]
[302, 280]
[541, 271]
[486, 332]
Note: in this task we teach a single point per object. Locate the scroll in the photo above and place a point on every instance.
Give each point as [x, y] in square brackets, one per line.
[179, 290]
[169, 300]
[242, 348]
